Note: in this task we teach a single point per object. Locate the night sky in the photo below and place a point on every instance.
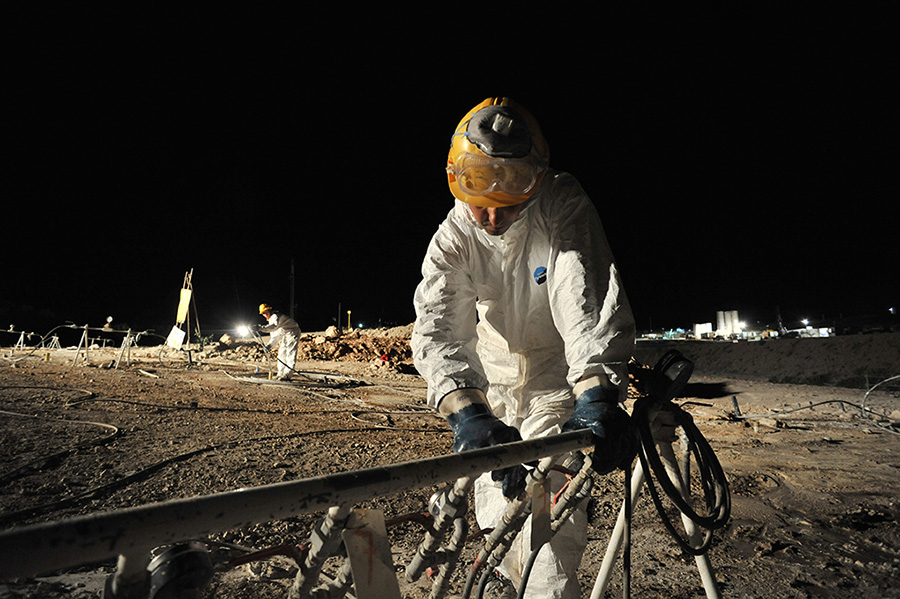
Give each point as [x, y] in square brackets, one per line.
[752, 170]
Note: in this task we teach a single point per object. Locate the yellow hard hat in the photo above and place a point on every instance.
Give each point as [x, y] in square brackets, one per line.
[498, 155]
[265, 308]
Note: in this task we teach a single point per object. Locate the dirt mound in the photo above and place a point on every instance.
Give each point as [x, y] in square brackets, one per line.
[855, 361]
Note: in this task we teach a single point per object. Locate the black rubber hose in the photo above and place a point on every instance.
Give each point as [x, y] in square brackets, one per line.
[711, 476]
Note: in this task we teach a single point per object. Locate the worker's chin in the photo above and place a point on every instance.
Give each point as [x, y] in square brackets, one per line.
[495, 231]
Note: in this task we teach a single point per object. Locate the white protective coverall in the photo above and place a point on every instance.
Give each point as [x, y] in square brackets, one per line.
[283, 329]
[524, 316]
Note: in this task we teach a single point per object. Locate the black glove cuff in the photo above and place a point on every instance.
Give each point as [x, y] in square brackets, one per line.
[456, 419]
[599, 394]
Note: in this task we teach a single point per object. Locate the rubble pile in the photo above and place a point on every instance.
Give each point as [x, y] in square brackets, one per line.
[386, 348]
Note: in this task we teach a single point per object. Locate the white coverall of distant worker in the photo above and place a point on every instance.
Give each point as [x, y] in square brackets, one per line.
[285, 331]
[522, 327]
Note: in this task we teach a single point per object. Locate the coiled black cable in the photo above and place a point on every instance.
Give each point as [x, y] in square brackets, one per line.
[712, 480]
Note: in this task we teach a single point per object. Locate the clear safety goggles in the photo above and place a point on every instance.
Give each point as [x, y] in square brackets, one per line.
[481, 175]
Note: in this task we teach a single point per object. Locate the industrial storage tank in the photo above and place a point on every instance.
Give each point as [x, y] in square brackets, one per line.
[727, 323]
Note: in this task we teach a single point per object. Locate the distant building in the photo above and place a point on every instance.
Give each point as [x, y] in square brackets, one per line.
[703, 330]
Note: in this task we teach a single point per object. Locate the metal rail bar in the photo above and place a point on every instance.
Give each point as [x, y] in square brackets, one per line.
[132, 532]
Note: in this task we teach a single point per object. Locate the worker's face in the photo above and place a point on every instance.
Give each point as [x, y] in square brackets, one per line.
[266, 314]
[496, 221]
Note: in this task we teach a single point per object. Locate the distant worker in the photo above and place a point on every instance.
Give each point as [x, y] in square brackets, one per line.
[522, 327]
[284, 330]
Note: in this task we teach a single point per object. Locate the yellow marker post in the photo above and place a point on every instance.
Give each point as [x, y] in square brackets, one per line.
[183, 306]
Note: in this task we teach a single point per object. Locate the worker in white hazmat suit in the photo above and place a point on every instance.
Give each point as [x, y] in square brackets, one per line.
[284, 332]
[522, 326]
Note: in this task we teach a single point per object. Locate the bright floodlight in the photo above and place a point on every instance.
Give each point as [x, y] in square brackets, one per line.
[243, 330]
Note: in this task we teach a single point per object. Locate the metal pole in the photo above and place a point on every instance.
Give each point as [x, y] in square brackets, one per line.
[46, 547]
[667, 455]
[626, 538]
[126, 348]
[85, 342]
[292, 289]
[616, 539]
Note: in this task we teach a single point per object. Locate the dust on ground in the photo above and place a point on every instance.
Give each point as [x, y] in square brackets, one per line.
[813, 478]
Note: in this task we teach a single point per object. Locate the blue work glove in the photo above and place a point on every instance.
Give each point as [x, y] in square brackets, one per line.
[475, 427]
[615, 436]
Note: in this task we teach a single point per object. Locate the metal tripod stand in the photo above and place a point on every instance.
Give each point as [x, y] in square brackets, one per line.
[657, 419]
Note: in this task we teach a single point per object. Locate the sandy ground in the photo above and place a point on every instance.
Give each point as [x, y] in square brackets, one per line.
[813, 480]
